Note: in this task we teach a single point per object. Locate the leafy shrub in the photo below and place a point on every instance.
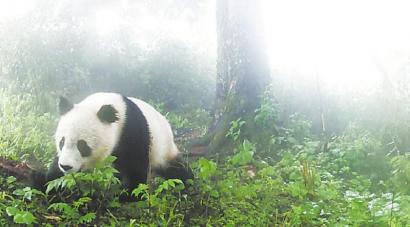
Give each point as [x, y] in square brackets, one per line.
[401, 173]
[361, 152]
[25, 132]
[19, 204]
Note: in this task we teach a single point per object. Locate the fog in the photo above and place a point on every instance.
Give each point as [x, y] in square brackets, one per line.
[349, 44]
[347, 54]
[345, 43]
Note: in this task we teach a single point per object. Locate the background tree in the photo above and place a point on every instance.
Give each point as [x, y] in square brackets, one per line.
[242, 69]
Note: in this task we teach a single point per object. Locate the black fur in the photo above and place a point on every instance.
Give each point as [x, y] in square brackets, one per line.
[61, 144]
[132, 151]
[39, 178]
[176, 170]
[107, 114]
[84, 149]
[64, 105]
[53, 171]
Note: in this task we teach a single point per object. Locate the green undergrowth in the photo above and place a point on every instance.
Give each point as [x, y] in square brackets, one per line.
[285, 178]
[25, 132]
[302, 189]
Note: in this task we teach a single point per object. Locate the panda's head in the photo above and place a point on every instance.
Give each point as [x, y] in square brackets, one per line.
[87, 132]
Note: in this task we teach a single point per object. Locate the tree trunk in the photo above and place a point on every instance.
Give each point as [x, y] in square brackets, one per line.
[242, 68]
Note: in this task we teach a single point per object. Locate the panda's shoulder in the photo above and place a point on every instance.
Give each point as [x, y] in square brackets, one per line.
[149, 112]
[141, 104]
[104, 97]
[96, 100]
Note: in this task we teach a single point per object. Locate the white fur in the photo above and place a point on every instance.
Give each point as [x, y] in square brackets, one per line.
[82, 123]
[162, 146]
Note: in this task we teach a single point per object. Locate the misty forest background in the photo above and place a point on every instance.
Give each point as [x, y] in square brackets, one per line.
[269, 145]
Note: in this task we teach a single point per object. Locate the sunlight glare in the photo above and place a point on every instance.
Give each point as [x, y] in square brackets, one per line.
[107, 21]
[13, 9]
[337, 40]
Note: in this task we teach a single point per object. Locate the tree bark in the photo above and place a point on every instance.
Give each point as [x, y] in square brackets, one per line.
[242, 68]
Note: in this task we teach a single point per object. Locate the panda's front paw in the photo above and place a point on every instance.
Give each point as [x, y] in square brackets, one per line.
[126, 198]
[37, 180]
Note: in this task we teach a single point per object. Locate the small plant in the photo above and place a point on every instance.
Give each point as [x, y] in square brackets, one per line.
[161, 205]
[84, 195]
[235, 130]
[245, 154]
[71, 214]
[20, 204]
[24, 131]
[176, 121]
[267, 115]
[401, 172]
[207, 168]
[307, 173]
[21, 216]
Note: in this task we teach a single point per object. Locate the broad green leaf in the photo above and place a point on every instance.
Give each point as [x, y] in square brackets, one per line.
[11, 211]
[24, 217]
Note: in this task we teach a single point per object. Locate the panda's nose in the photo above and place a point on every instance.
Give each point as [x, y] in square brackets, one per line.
[66, 167]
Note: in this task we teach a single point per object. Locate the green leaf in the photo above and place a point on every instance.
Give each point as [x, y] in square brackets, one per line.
[24, 217]
[11, 211]
[206, 168]
[214, 193]
[245, 155]
[132, 223]
[81, 202]
[168, 184]
[140, 190]
[54, 184]
[87, 218]
[268, 171]
[63, 207]
[11, 180]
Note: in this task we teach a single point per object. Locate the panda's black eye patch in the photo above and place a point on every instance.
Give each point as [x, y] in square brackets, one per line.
[84, 149]
[61, 144]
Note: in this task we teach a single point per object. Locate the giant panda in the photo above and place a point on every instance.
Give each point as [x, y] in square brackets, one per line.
[106, 124]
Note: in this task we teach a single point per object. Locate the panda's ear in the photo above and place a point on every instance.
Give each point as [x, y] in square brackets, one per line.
[107, 114]
[64, 105]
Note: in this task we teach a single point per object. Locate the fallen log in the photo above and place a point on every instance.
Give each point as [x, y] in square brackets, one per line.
[21, 171]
